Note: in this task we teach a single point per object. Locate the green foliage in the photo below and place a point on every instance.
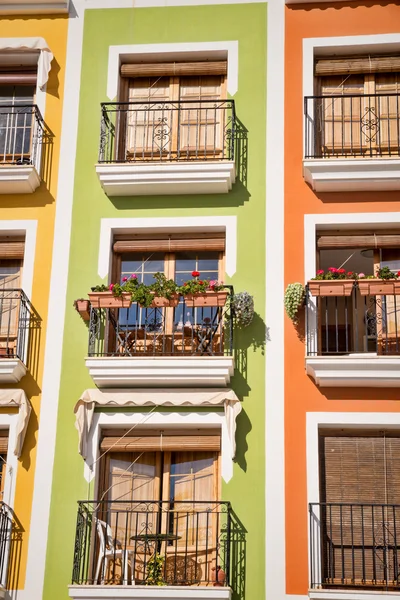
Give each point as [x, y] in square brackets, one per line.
[155, 568]
[163, 287]
[243, 308]
[386, 273]
[100, 288]
[294, 299]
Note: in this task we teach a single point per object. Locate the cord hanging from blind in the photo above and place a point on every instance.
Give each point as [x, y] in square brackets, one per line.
[174, 69]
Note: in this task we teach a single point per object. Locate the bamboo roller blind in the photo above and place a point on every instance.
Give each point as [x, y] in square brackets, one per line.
[3, 442]
[354, 65]
[155, 440]
[174, 69]
[10, 249]
[368, 240]
[172, 243]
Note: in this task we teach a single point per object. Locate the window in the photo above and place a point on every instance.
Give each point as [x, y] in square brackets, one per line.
[3, 459]
[11, 260]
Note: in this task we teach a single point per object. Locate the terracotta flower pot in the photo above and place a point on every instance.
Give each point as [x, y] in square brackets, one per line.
[331, 287]
[160, 301]
[83, 308]
[379, 287]
[108, 300]
[206, 299]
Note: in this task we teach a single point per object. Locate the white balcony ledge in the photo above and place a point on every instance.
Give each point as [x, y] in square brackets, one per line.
[145, 592]
[165, 179]
[33, 7]
[352, 595]
[354, 370]
[352, 174]
[18, 179]
[12, 370]
[175, 371]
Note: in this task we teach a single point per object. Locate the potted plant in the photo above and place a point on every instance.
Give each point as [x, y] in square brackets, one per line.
[384, 283]
[164, 291]
[294, 299]
[334, 282]
[202, 292]
[82, 306]
[102, 296]
[243, 308]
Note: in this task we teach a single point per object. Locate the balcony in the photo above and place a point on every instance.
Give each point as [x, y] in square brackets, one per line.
[136, 549]
[352, 143]
[22, 132]
[181, 346]
[353, 341]
[6, 547]
[33, 7]
[164, 148]
[354, 548]
[18, 325]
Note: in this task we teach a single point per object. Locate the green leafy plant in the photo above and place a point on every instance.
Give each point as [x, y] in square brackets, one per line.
[386, 273]
[163, 287]
[199, 286]
[243, 308]
[100, 288]
[154, 570]
[294, 299]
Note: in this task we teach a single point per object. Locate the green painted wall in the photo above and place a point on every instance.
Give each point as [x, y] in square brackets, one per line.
[102, 28]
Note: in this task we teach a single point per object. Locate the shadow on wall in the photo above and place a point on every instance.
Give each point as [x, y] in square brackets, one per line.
[15, 551]
[340, 5]
[238, 558]
[350, 197]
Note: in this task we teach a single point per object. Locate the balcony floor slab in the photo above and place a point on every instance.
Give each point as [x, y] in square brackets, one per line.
[185, 371]
[12, 370]
[352, 174]
[18, 179]
[33, 7]
[163, 178]
[355, 594]
[144, 592]
[354, 370]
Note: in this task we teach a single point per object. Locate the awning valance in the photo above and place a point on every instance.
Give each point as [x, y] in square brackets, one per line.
[84, 408]
[35, 44]
[18, 399]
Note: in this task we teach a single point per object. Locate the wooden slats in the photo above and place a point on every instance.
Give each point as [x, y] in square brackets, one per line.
[174, 69]
[11, 249]
[3, 442]
[330, 242]
[171, 244]
[151, 441]
[353, 65]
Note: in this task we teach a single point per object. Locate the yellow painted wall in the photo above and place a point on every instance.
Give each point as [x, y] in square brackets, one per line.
[40, 206]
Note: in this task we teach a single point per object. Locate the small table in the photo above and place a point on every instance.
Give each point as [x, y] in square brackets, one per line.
[157, 538]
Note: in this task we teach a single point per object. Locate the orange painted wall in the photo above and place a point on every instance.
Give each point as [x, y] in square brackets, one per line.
[301, 394]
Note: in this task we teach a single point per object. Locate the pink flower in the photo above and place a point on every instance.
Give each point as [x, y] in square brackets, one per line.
[111, 287]
[332, 270]
[124, 279]
[361, 275]
[213, 282]
[320, 272]
[133, 276]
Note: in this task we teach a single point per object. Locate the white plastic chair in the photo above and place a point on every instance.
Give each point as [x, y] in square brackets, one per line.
[108, 551]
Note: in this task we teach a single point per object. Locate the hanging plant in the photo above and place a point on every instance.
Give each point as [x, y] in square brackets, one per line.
[294, 298]
[155, 569]
[243, 308]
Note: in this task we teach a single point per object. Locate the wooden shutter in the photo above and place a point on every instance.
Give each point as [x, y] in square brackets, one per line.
[174, 69]
[154, 440]
[387, 109]
[358, 240]
[215, 243]
[350, 65]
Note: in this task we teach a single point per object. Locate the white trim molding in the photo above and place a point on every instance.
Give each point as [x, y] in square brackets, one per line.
[354, 370]
[352, 174]
[168, 225]
[33, 7]
[161, 371]
[352, 595]
[18, 179]
[141, 592]
[174, 51]
[10, 421]
[166, 179]
[349, 174]
[12, 370]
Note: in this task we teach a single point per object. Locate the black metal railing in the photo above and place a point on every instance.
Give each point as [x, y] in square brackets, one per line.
[153, 543]
[355, 545]
[17, 319]
[353, 126]
[352, 324]
[22, 131]
[182, 130]
[178, 331]
[6, 540]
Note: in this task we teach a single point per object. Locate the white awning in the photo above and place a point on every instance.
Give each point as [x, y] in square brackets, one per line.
[17, 398]
[87, 403]
[35, 44]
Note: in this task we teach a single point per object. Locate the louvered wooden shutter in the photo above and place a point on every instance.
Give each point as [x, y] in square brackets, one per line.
[3, 442]
[354, 65]
[174, 243]
[177, 69]
[367, 240]
[155, 440]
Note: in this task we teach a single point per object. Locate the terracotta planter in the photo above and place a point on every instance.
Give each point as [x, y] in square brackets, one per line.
[206, 299]
[160, 301]
[108, 300]
[379, 287]
[83, 308]
[331, 287]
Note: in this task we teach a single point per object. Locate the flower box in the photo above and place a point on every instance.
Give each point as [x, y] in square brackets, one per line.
[161, 302]
[108, 300]
[206, 299]
[83, 308]
[379, 287]
[331, 287]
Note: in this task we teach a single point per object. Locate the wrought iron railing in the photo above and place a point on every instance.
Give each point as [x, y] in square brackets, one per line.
[22, 132]
[153, 543]
[352, 324]
[179, 331]
[355, 545]
[353, 126]
[6, 539]
[17, 320]
[182, 130]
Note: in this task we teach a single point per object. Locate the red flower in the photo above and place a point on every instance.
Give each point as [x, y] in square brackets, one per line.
[398, 273]
[341, 270]
[350, 273]
[111, 287]
[124, 279]
[332, 270]
[320, 272]
[195, 273]
[201, 282]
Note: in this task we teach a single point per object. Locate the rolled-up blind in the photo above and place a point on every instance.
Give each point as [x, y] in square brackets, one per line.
[11, 249]
[378, 240]
[18, 75]
[354, 65]
[172, 243]
[159, 440]
[177, 69]
[3, 442]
